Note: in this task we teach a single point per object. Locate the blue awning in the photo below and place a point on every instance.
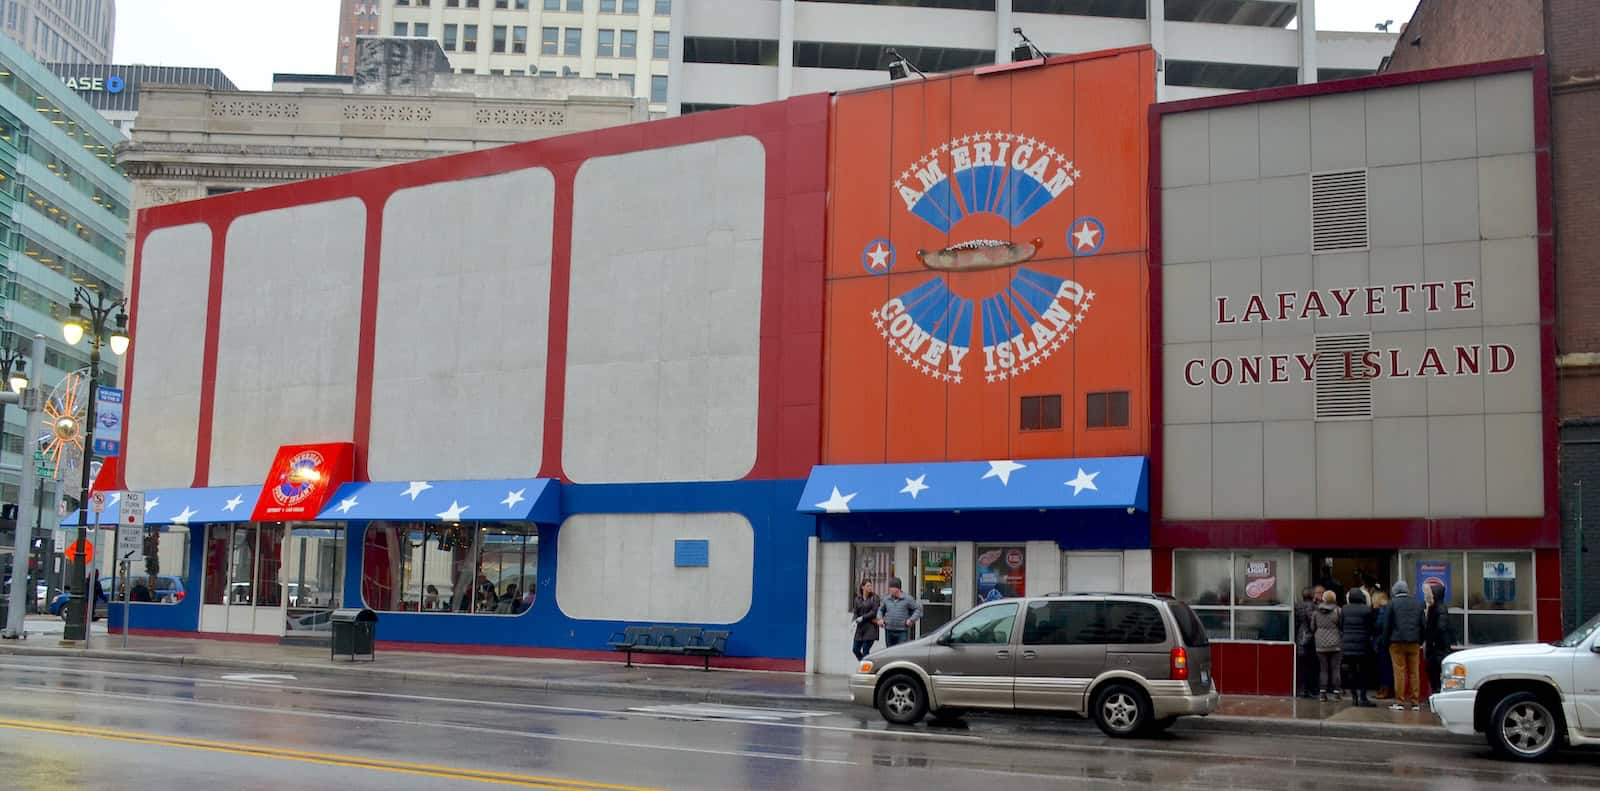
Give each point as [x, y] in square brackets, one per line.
[1105, 482]
[210, 505]
[506, 500]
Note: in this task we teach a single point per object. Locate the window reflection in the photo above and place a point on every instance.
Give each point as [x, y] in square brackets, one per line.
[488, 569]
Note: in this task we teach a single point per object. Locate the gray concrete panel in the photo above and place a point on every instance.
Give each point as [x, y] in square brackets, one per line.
[1235, 144]
[599, 583]
[1236, 219]
[1454, 394]
[1295, 398]
[1450, 201]
[1180, 401]
[1338, 132]
[1448, 263]
[1237, 280]
[1400, 467]
[1392, 266]
[1285, 215]
[1289, 469]
[1505, 113]
[1518, 389]
[1510, 286]
[1187, 312]
[1186, 224]
[174, 285]
[1186, 478]
[1399, 396]
[1456, 466]
[1183, 136]
[1515, 472]
[1507, 198]
[1285, 138]
[1394, 205]
[1236, 465]
[1342, 271]
[1239, 401]
[1286, 273]
[1449, 120]
[1394, 126]
[1344, 469]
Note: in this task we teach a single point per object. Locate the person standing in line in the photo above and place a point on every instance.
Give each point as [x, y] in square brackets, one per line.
[1380, 647]
[1329, 641]
[1404, 631]
[1436, 636]
[1305, 641]
[897, 614]
[1357, 626]
[865, 610]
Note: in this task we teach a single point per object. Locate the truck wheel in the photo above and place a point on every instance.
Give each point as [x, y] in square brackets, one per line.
[1121, 710]
[902, 700]
[1524, 727]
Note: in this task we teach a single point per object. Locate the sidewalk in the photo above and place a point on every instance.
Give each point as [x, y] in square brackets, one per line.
[1238, 713]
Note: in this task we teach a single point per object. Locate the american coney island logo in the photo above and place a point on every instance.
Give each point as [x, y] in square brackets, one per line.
[300, 480]
[1016, 329]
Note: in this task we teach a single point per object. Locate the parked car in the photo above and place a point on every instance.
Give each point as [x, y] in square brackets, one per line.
[58, 606]
[1133, 663]
[1528, 699]
[169, 590]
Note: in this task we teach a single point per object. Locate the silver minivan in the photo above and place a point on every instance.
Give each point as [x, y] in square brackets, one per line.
[1132, 662]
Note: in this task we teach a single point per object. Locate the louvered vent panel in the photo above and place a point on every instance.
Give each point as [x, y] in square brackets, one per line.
[1339, 211]
[1342, 394]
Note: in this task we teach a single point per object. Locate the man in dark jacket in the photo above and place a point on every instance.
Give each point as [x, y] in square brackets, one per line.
[1436, 637]
[1305, 644]
[1358, 623]
[1404, 630]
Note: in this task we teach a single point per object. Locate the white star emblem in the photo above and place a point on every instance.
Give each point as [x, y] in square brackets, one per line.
[346, 504]
[914, 486]
[1002, 470]
[151, 503]
[183, 516]
[115, 498]
[416, 488]
[1086, 236]
[958, 379]
[232, 503]
[453, 513]
[1083, 481]
[837, 503]
[512, 498]
[879, 255]
[989, 378]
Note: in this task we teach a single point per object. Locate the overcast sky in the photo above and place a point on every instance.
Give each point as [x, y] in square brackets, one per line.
[251, 39]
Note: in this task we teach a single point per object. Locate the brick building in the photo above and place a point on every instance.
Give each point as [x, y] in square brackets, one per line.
[1451, 33]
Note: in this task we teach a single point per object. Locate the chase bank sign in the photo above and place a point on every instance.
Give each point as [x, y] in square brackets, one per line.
[112, 84]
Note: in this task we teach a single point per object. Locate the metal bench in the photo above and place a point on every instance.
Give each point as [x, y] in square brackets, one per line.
[680, 640]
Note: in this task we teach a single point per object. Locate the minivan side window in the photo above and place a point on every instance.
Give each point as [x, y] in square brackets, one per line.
[988, 626]
[1132, 623]
[1063, 623]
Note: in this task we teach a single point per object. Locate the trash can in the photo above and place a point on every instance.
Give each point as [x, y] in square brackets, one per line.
[355, 633]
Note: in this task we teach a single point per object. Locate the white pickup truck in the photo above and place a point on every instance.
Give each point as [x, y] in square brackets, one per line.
[1529, 699]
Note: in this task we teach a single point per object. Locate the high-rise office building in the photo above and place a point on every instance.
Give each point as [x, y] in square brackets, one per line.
[61, 31]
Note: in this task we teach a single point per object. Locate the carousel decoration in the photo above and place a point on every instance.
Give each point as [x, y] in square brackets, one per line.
[65, 412]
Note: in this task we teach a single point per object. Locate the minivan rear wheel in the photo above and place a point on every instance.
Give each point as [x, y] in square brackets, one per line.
[902, 699]
[1121, 710]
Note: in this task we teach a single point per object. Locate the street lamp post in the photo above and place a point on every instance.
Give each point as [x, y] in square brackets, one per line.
[78, 325]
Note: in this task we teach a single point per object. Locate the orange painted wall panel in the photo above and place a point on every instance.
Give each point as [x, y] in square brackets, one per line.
[986, 243]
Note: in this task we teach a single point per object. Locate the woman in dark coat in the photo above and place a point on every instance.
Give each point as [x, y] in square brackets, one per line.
[1359, 624]
[865, 611]
[1436, 637]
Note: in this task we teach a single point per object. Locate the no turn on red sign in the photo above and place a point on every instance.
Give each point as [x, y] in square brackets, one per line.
[132, 514]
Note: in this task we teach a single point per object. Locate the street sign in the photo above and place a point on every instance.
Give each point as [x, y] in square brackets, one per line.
[108, 419]
[132, 505]
[83, 548]
[130, 544]
[98, 501]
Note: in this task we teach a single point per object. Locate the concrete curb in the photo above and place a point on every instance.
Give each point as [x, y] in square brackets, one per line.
[666, 692]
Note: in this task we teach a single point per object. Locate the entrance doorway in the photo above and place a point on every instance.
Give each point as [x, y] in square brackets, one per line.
[315, 578]
[933, 584]
[271, 578]
[1342, 570]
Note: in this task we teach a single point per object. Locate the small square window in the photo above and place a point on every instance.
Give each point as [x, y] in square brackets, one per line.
[1041, 413]
[629, 45]
[550, 41]
[574, 41]
[449, 38]
[469, 38]
[606, 43]
[420, 30]
[472, 3]
[658, 88]
[1107, 410]
[661, 45]
[663, 6]
[575, 5]
[519, 39]
[630, 6]
[499, 38]
[502, 3]
[608, 6]
[400, 28]
[552, 5]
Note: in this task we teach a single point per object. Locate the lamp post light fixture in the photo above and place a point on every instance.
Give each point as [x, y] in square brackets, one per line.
[89, 316]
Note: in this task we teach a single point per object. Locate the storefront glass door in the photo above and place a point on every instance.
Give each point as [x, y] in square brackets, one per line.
[243, 583]
[315, 577]
[933, 584]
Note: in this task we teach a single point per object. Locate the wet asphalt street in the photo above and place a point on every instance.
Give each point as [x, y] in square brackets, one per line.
[68, 723]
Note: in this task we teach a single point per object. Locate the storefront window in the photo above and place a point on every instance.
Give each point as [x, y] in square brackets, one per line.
[1238, 595]
[874, 564]
[489, 569]
[163, 575]
[1495, 602]
[1002, 572]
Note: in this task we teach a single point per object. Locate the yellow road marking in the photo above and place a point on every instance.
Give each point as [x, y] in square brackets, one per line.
[326, 759]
